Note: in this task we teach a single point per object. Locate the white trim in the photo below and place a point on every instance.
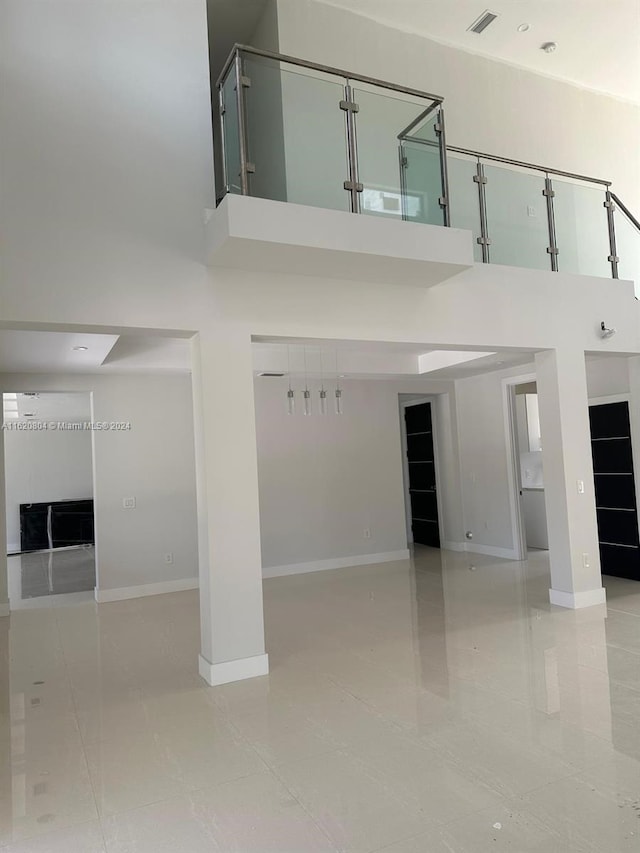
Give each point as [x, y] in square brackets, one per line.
[612, 398]
[454, 546]
[492, 551]
[120, 594]
[232, 670]
[337, 563]
[4, 609]
[577, 600]
[12, 550]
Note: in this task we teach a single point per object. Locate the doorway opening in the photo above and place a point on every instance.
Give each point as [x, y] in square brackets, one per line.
[420, 472]
[529, 514]
[49, 494]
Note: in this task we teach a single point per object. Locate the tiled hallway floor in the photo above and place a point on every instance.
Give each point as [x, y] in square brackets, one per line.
[412, 707]
[58, 572]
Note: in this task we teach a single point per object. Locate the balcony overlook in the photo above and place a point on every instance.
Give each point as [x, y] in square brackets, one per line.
[326, 143]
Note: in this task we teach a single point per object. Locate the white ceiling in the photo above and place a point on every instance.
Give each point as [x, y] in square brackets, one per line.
[376, 360]
[598, 40]
[53, 352]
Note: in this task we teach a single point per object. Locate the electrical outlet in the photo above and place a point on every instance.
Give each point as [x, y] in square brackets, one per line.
[580, 485]
[585, 561]
[367, 533]
[128, 503]
[531, 211]
[168, 558]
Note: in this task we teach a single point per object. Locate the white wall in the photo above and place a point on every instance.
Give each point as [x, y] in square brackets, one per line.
[490, 106]
[607, 376]
[325, 480]
[483, 444]
[106, 150]
[44, 466]
[153, 462]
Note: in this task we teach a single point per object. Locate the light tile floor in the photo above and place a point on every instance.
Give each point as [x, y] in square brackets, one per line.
[58, 572]
[412, 707]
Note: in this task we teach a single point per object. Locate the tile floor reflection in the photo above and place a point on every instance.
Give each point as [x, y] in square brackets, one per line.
[58, 572]
[413, 707]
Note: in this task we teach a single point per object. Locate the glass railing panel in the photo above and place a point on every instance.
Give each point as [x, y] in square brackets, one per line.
[231, 134]
[296, 142]
[582, 231]
[464, 207]
[400, 172]
[628, 249]
[421, 179]
[517, 218]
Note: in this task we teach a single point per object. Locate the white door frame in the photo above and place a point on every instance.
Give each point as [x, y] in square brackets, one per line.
[434, 399]
[518, 533]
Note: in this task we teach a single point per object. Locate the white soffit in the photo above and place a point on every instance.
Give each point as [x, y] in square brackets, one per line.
[57, 352]
[52, 352]
[439, 359]
[598, 41]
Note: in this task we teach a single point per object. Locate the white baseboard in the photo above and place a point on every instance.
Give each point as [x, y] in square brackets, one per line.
[13, 548]
[232, 670]
[491, 551]
[160, 588]
[454, 546]
[4, 609]
[577, 600]
[337, 563]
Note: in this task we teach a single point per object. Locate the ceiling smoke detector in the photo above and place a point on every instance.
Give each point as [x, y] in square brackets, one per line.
[549, 47]
[80, 349]
[485, 20]
[524, 28]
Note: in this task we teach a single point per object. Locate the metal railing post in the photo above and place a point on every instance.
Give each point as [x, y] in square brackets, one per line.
[613, 256]
[222, 149]
[444, 170]
[353, 185]
[484, 241]
[242, 124]
[552, 249]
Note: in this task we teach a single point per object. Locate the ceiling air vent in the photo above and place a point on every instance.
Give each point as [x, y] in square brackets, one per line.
[271, 374]
[485, 19]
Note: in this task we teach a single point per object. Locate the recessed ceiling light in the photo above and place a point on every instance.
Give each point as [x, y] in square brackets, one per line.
[523, 28]
[549, 47]
[81, 349]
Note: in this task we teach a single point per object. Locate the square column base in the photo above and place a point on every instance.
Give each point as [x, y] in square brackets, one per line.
[578, 600]
[232, 670]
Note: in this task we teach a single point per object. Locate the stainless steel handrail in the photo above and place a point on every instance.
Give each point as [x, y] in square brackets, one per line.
[327, 69]
[534, 166]
[626, 211]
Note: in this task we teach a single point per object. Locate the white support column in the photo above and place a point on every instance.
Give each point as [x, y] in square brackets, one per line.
[571, 515]
[231, 608]
[4, 584]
